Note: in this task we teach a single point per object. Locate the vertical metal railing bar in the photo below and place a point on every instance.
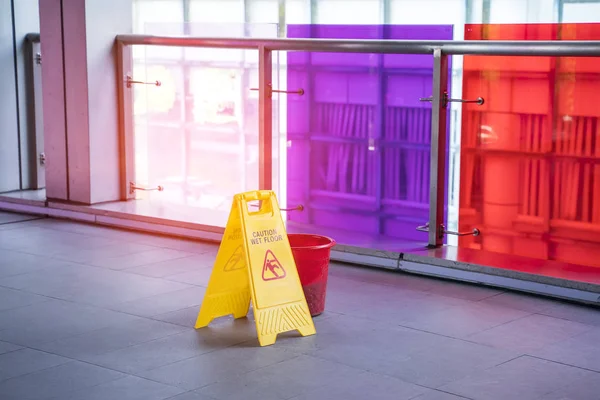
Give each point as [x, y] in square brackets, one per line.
[265, 119]
[126, 134]
[437, 183]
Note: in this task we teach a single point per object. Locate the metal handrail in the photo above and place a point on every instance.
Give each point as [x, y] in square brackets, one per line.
[439, 49]
[559, 48]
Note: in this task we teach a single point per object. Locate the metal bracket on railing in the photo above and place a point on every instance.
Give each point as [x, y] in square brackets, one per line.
[443, 231]
[299, 207]
[131, 82]
[299, 92]
[133, 187]
[479, 101]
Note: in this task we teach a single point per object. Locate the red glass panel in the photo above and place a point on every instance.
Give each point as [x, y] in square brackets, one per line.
[530, 156]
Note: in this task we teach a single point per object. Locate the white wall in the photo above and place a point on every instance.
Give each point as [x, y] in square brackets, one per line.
[9, 128]
[104, 20]
[80, 97]
[53, 94]
[26, 20]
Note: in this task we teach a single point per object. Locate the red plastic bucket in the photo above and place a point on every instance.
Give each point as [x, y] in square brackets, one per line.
[311, 254]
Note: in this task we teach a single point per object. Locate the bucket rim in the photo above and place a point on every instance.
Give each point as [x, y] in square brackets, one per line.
[329, 245]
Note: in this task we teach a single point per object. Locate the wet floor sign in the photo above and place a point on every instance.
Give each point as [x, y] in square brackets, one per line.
[255, 262]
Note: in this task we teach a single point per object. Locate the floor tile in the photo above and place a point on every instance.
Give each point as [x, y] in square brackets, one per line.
[11, 218]
[25, 361]
[521, 301]
[362, 343]
[439, 395]
[129, 388]
[90, 285]
[465, 320]
[522, 378]
[53, 320]
[184, 317]
[48, 281]
[197, 277]
[364, 385]
[6, 347]
[177, 266]
[530, 333]
[450, 361]
[384, 303]
[192, 395]
[19, 225]
[132, 260]
[573, 312]
[170, 349]
[187, 245]
[587, 388]
[57, 382]
[281, 381]
[103, 255]
[112, 338]
[88, 229]
[580, 351]
[217, 366]
[49, 243]
[461, 290]
[396, 279]
[163, 303]
[13, 263]
[10, 298]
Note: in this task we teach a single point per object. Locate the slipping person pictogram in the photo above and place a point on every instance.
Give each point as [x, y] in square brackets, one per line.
[272, 268]
[235, 262]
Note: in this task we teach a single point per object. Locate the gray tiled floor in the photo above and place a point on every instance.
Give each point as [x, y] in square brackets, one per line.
[89, 312]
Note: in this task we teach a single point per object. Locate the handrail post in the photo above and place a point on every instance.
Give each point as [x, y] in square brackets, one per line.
[265, 119]
[437, 184]
[126, 125]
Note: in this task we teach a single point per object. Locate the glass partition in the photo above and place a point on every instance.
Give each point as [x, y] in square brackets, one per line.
[530, 169]
[359, 138]
[196, 131]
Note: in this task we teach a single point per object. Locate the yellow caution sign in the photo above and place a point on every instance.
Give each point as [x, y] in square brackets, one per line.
[255, 262]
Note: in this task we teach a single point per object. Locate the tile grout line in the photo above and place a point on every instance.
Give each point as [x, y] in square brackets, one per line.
[209, 352]
[563, 363]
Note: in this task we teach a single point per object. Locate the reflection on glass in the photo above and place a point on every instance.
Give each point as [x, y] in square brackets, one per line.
[359, 139]
[530, 169]
[196, 135]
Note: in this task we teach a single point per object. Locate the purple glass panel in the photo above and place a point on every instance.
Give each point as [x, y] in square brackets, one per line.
[359, 139]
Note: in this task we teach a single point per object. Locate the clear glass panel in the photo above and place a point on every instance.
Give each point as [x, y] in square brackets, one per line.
[215, 11]
[197, 133]
[581, 12]
[156, 13]
[427, 12]
[359, 139]
[508, 11]
[263, 11]
[348, 12]
[530, 176]
[450, 12]
[297, 11]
